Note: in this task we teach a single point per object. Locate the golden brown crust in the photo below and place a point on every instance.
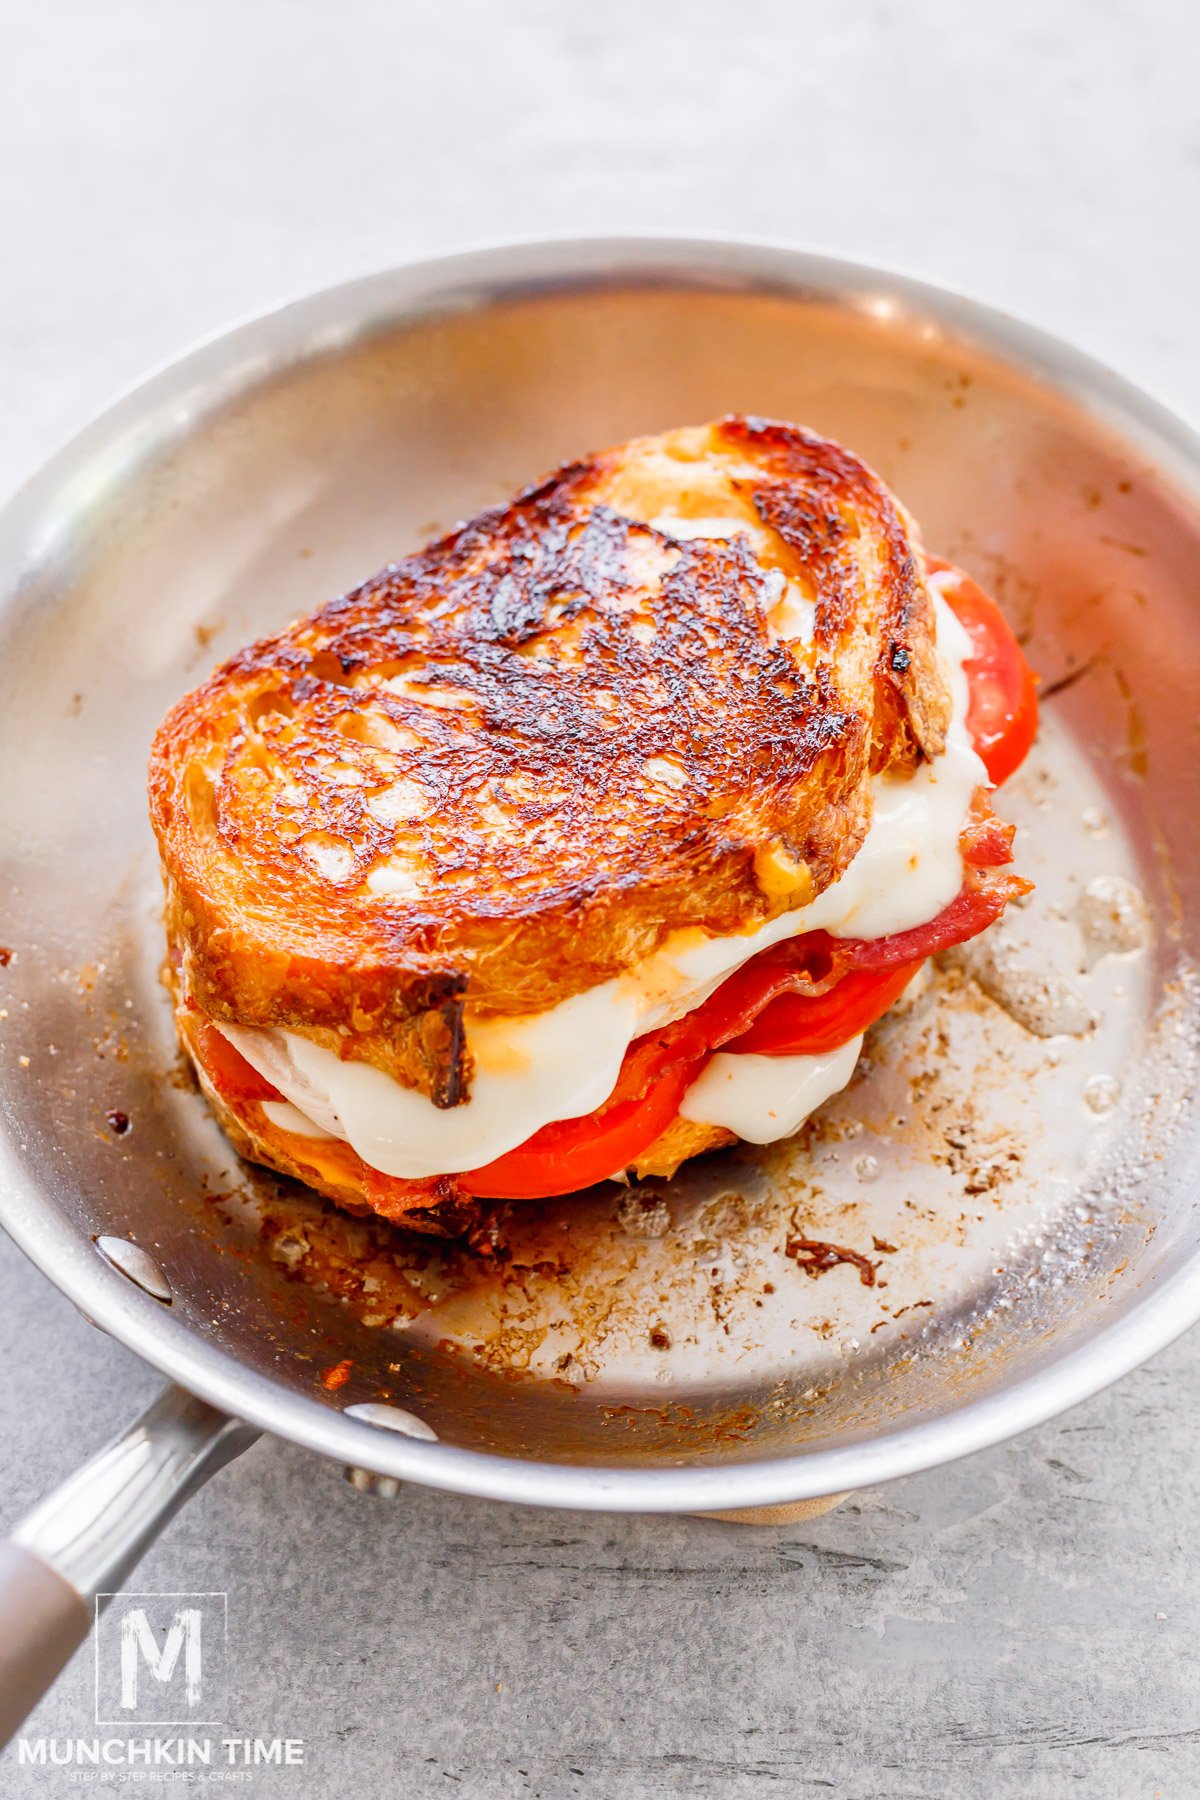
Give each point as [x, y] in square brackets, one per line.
[682, 1139]
[503, 769]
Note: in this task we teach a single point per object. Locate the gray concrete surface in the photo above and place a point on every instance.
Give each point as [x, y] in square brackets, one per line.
[1021, 1625]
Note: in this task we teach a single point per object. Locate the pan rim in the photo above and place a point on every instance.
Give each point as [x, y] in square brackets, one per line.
[482, 275]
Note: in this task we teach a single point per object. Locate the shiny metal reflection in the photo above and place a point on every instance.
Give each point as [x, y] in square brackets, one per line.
[138, 1265]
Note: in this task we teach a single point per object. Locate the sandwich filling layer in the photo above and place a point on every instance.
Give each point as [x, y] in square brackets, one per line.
[534, 1069]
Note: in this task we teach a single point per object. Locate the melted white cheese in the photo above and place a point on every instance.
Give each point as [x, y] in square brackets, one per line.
[560, 1064]
[563, 1063]
[762, 1098]
[289, 1118]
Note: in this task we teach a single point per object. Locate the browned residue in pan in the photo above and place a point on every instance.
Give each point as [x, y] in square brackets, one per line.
[337, 1375]
[814, 1256]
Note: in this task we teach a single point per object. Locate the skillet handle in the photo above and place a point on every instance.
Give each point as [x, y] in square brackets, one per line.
[84, 1538]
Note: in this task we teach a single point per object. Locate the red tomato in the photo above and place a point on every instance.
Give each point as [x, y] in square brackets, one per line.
[571, 1154]
[1003, 715]
[811, 1024]
[228, 1069]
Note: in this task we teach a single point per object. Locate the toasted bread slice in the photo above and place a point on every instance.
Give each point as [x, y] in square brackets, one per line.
[682, 1139]
[505, 768]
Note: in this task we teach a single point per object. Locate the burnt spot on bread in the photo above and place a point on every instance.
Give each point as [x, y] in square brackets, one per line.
[445, 1055]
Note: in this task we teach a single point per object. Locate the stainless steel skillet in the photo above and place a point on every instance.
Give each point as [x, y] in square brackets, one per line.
[1016, 1163]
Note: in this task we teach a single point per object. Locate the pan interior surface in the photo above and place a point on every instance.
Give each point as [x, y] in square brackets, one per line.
[1014, 1166]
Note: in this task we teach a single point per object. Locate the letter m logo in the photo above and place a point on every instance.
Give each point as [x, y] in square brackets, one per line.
[160, 1659]
[138, 1646]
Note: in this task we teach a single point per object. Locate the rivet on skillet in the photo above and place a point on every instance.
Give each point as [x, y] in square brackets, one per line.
[365, 1481]
[391, 1418]
[388, 1418]
[138, 1265]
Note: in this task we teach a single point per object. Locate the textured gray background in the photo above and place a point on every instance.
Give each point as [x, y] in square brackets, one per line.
[1023, 1624]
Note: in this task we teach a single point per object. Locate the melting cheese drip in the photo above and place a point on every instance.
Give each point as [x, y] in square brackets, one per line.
[564, 1063]
[762, 1098]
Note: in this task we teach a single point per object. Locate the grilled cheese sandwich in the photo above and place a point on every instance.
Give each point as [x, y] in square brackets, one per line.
[461, 867]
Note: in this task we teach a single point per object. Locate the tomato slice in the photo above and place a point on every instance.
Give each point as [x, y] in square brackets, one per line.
[811, 1024]
[571, 1154]
[227, 1068]
[1003, 713]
